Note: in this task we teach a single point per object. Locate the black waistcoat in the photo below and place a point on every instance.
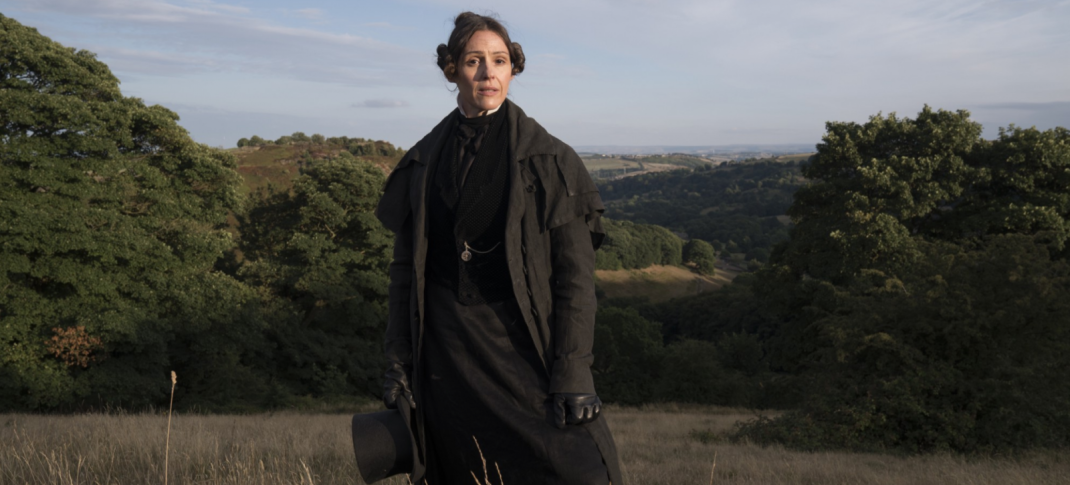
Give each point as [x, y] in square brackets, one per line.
[467, 208]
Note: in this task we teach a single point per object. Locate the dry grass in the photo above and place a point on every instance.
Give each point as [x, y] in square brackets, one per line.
[673, 445]
[658, 445]
[129, 449]
[660, 283]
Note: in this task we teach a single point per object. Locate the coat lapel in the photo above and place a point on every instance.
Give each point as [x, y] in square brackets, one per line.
[427, 151]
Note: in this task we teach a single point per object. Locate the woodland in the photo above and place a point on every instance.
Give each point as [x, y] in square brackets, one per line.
[916, 302]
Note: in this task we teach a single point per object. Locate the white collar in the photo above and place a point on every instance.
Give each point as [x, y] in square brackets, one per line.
[489, 112]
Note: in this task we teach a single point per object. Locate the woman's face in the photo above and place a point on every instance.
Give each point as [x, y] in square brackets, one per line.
[483, 73]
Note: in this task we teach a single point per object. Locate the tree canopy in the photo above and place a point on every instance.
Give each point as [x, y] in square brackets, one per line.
[924, 288]
[111, 221]
[120, 258]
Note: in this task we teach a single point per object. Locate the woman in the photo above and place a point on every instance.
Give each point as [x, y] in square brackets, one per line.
[491, 289]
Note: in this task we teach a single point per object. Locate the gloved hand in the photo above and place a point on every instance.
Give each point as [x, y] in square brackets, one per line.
[576, 408]
[395, 384]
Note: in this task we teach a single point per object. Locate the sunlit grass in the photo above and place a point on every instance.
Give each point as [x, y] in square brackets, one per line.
[666, 444]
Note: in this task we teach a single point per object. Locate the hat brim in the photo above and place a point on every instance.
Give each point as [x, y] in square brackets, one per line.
[382, 444]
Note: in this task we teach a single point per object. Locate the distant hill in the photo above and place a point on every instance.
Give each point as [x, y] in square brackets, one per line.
[279, 164]
[735, 152]
[736, 206]
[603, 166]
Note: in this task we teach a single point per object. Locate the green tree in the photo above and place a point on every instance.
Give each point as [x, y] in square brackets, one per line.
[692, 373]
[320, 257]
[923, 288]
[256, 141]
[318, 138]
[701, 254]
[111, 222]
[627, 356]
[242, 142]
[873, 189]
[632, 246]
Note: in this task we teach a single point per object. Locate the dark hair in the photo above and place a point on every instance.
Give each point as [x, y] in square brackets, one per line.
[466, 24]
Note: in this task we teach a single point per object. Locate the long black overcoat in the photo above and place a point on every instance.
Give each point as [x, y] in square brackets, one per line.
[554, 287]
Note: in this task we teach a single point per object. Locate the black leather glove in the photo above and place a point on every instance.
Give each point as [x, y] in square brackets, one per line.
[395, 384]
[576, 408]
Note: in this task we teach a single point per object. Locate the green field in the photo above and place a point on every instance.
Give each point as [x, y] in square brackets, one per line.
[795, 157]
[609, 163]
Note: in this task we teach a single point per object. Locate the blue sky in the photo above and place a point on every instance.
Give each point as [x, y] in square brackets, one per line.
[599, 72]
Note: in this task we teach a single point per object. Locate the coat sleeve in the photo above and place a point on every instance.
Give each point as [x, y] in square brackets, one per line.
[398, 339]
[572, 257]
[574, 222]
[394, 211]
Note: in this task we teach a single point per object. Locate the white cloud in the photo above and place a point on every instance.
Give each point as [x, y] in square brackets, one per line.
[599, 71]
[220, 6]
[203, 35]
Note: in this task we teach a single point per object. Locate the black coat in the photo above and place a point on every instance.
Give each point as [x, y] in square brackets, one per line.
[549, 187]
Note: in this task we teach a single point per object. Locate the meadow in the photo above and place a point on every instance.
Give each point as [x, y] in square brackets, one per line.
[661, 283]
[662, 444]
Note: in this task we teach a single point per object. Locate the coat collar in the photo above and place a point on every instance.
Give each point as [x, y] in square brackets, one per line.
[527, 138]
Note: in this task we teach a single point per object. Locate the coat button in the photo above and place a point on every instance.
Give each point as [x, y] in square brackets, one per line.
[530, 188]
[534, 311]
[529, 293]
[525, 270]
[524, 249]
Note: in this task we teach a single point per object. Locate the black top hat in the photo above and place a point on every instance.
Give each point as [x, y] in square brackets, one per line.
[382, 444]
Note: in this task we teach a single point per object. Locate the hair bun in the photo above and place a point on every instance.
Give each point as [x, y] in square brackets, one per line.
[444, 58]
[464, 17]
[465, 25]
[517, 57]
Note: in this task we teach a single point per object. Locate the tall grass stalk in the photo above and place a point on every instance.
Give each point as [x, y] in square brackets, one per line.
[167, 444]
[713, 467]
[486, 476]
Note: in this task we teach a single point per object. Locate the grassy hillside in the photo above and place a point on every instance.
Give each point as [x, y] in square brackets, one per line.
[279, 165]
[660, 283]
[602, 166]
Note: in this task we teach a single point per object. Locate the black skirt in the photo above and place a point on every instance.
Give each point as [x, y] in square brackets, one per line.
[485, 396]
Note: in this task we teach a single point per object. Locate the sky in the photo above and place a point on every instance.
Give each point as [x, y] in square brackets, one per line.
[599, 72]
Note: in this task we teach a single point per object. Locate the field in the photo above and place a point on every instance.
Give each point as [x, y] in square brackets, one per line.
[660, 283]
[601, 167]
[609, 163]
[795, 157]
[280, 164]
[660, 445]
[612, 167]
